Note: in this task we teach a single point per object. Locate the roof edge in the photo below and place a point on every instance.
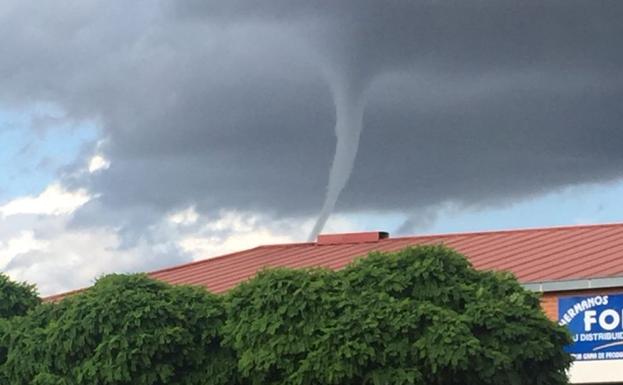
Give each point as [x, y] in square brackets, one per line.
[200, 261]
[517, 230]
[575, 284]
[423, 236]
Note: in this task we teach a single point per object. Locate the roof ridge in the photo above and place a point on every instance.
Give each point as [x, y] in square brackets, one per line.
[317, 254]
[424, 236]
[222, 256]
[200, 261]
[505, 231]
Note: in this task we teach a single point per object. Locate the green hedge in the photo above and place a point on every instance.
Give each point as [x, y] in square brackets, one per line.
[16, 298]
[419, 316]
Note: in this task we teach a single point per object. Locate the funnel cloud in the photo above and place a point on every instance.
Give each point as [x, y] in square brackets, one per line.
[349, 99]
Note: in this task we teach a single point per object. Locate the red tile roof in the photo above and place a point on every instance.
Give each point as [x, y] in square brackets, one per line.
[533, 255]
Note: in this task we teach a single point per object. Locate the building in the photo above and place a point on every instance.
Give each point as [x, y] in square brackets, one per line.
[578, 270]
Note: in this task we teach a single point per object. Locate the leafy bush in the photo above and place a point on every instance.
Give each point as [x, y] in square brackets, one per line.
[123, 330]
[420, 316]
[16, 298]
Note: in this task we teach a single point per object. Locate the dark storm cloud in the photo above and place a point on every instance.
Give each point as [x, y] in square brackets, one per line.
[225, 104]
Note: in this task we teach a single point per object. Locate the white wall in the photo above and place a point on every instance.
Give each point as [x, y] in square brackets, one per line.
[593, 372]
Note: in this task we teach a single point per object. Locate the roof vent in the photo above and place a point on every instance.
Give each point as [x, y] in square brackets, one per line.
[334, 239]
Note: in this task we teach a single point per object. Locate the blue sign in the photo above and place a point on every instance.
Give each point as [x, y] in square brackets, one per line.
[596, 325]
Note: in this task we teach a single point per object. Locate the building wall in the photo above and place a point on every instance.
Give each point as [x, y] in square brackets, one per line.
[549, 300]
[586, 372]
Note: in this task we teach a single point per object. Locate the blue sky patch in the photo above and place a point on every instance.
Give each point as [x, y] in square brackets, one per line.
[35, 144]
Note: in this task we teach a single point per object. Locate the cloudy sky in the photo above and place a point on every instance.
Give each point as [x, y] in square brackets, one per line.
[137, 135]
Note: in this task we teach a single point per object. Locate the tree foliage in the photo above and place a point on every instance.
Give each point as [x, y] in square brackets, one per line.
[123, 330]
[16, 298]
[419, 316]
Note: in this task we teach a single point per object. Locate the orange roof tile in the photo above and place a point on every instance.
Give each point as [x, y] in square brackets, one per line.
[533, 255]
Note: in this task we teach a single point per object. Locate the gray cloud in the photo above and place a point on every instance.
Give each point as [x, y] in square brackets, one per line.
[226, 104]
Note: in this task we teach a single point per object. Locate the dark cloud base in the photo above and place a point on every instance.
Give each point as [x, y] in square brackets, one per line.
[226, 106]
